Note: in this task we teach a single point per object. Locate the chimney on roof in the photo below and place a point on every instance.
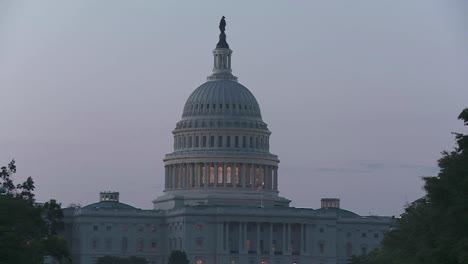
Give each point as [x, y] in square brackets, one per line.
[330, 203]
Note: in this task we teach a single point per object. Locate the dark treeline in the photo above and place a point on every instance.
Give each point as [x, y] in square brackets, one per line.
[434, 228]
[28, 231]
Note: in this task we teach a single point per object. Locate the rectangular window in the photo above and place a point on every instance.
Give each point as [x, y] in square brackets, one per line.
[153, 245]
[220, 141]
[363, 250]
[108, 228]
[196, 141]
[228, 141]
[364, 235]
[204, 142]
[124, 244]
[95, 228]
[109, 244]
[94, 244]
[190, 142]
[212, 142]
[251, 142]
[244, 142]
[199, 243]
[140, 245]
[236, 141]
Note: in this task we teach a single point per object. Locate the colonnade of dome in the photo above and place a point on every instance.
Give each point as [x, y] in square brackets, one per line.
[221, 175]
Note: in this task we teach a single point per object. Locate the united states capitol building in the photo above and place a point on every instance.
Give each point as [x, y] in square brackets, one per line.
[221, 202]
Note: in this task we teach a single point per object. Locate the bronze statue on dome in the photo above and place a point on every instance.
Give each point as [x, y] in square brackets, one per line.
[222, 24]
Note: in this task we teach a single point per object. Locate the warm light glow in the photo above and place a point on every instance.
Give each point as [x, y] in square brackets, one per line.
[228, 175]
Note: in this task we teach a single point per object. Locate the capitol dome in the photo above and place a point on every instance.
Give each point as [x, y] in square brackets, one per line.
[222, 98]
[221, 146]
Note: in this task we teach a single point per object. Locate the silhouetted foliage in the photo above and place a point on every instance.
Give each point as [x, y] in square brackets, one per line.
[121, 260]
[178, 257]
[28, 231]
[434, 228]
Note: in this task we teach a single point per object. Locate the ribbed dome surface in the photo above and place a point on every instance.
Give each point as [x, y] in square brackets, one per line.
[221, 97]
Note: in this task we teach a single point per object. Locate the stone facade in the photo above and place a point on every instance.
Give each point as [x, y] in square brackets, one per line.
[221, 202]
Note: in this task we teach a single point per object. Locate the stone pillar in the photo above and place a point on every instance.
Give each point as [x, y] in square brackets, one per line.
[253, 175]
[276, 178]
[303, 238]
[284, 245]
[258, 239]
[245, 237]
[289, 239]
[173, 180]
[165, 177]
[271, 239]
[228, 247]
[240, 237]
[225, 174]
[197, 175]
[207, 174]
[243, 174]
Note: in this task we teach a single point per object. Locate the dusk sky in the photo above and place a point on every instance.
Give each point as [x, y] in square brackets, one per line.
[361, 96]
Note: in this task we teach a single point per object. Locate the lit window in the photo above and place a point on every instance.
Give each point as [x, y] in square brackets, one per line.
[220, 174]
[228, 175]
[199, 261]
[211, 174]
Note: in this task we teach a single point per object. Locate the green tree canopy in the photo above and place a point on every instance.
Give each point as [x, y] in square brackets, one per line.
[178, 257]
[434, 228]
[28, 231]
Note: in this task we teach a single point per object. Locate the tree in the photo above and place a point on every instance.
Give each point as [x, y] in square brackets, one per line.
[178, 257]
[28, 231]
[120, 260]
[433, 229]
